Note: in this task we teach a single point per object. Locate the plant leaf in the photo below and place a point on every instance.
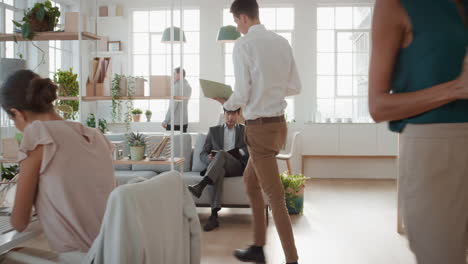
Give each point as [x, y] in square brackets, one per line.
[26, 31]
[40, 14]
[18, 24]
[48, 4]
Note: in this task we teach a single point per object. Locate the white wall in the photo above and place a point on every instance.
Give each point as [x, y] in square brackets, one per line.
[318, 139]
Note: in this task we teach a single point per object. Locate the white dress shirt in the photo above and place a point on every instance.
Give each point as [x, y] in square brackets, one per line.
[229, 138]
[265, 73]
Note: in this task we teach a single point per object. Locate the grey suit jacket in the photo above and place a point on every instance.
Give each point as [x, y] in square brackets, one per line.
[215, 141]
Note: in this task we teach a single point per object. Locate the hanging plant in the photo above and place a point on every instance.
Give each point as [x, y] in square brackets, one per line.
[68, 85]
[131, 93]
[42, 17]
[116, 102]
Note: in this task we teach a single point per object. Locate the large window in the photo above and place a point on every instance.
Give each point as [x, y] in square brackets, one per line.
[60, 54]
[151, 57]
[7, 10]
[7, 49]
[343, 47]
[279, 20]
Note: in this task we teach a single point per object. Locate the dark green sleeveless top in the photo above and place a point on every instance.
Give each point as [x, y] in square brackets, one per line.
[435, 56]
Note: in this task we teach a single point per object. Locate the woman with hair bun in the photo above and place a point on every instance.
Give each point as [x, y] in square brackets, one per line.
[66, 169]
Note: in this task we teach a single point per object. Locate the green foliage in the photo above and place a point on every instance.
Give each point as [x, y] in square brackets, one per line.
[10, 172]
[39, 12]
[130, 91]
[19, 138]
[102, 125]
[68, 85]
[135, 140]
[91, 121]
[137, 111]
[292, 185]
[148, 112]
[116, 102]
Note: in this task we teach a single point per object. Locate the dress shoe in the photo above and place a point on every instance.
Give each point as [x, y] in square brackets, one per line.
[251, 254]
[197, 189]
[211, 224]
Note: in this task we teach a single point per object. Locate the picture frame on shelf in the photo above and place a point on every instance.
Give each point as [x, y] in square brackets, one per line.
[113, 46]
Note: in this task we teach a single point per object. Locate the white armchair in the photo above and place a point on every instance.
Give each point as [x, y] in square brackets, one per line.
[291, 151]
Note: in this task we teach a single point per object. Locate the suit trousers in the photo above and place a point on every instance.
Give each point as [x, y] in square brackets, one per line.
[223, 165]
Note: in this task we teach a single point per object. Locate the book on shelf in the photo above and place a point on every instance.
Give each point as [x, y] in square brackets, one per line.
[161, 150]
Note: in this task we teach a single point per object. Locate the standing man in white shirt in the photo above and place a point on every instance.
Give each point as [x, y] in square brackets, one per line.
[265, 73]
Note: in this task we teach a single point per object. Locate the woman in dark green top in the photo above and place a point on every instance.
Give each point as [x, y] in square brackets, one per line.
[418, 81]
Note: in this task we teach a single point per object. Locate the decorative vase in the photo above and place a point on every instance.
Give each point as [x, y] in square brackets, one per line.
[137, 153]
[148, 118]
[136, 118]
[295, 201]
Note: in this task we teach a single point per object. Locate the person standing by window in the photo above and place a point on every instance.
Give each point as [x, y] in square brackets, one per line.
[178, 105]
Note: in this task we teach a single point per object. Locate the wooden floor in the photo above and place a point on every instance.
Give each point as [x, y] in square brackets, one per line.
[344, 222]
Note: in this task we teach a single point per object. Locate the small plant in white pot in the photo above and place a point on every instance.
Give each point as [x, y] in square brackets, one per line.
[137, 144]
[136, 113]
[294, 191]
[148, 114]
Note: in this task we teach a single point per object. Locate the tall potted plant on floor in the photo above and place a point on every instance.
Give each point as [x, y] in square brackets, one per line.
[137, 144]
[294, 185]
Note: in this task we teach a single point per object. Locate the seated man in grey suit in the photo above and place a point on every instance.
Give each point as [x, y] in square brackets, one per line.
[226, 154]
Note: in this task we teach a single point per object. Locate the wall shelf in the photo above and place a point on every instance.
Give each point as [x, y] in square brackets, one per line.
[44, 36]
[104, 18]
[108, 53]
[68, 98]
[108, 98]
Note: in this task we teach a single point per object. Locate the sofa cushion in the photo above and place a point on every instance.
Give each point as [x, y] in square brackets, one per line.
[123, 176]
[126, 150]
[187, 150]
[233, 194]
[198, 164]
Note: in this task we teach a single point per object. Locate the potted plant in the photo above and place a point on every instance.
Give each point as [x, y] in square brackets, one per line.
[136, 113]
[91, 120]
[42, 17]
[19, 138]
[102, 125]
[137, 144]
[68, 86]
[148, 114]
[294, 185]
[8, 173]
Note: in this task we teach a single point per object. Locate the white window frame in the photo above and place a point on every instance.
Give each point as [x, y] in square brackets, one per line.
[65, 49]
[195, 97]
[335, 76]
[290, 100]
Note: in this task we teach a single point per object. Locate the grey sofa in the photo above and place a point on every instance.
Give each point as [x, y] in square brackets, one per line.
[234, 194]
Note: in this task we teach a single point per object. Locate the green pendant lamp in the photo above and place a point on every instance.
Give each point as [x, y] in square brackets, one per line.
[166, 37]
[228, 34]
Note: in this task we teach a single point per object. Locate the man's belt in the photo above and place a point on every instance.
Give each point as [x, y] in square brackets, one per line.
[265, 120]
